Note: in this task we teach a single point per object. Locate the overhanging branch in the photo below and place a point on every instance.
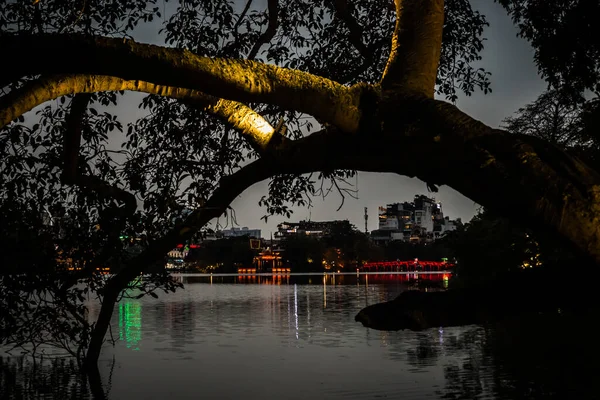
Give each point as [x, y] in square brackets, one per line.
[251, 125]
[230, 187]
[240, 80]
[522, 176]
[289, 158]
[88, 184]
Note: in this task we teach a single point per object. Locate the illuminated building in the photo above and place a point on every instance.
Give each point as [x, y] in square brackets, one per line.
[311, 228]
[267, 261]
[237, 232]
[419, 221]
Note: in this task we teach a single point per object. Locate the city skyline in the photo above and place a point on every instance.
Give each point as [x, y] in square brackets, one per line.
[373, 220]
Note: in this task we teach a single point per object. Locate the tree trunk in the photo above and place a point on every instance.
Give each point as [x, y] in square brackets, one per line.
[109, 300]
[93, 376]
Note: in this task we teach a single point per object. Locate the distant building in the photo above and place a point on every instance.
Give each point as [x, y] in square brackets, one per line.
[237, 232]
[177, 255]
[206, 234]
[419, 221]
[446, 225]
[311, 228]
[269, 260]
[425, 209]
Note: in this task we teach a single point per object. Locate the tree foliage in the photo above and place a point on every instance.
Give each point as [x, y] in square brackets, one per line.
[563, 35]
[224, 255]
[489, 246]
[553, 117]
[304, 253]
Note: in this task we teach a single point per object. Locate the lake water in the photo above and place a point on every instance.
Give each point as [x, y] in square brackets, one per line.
[295, 338]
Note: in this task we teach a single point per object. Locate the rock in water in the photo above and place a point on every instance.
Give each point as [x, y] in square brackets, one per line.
[519, 293]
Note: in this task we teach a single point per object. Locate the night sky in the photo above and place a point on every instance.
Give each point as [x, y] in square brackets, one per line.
[515, 82]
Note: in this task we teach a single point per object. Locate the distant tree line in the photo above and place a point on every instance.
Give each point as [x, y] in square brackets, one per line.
[343, 248]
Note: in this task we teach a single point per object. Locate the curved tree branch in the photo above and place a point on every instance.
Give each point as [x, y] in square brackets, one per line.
[241, 18]
[290, 159]
[71, 174]
[523, 178]
[554, 189]
[251, 125]
[240, 80]
[89, 184]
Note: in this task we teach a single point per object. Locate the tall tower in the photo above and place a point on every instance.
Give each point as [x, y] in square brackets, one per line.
[366, 220]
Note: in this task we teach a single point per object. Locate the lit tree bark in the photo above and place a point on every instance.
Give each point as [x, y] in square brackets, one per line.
[416, 47]
[240, 80]
[252, 126]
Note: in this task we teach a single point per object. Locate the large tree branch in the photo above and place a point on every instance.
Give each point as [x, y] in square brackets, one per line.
[518, 176]
[271, 29]
[416, 47]
[240, 80]
[551, 188]
[251, 125]
[291, 158]
[523, 178]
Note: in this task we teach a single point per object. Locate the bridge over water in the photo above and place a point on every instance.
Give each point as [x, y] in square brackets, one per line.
[408, 266]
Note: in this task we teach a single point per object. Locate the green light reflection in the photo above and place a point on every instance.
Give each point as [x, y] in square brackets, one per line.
[130, 324]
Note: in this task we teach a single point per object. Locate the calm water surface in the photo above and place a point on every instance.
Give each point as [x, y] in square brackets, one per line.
[296, 338]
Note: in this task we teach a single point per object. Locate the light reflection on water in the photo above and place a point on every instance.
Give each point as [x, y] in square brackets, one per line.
[283, 337]
[130, 324]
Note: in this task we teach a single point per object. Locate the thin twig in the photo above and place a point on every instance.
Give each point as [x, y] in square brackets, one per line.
[271, 29]
[355, 37]
[241, 18]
